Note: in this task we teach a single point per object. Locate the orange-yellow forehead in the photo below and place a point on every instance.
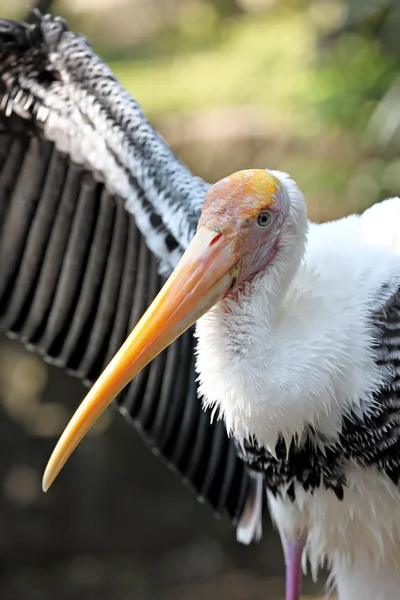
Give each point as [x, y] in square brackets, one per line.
[257, 183]
[242, 195]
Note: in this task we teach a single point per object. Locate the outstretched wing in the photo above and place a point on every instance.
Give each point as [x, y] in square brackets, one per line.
[93, 207]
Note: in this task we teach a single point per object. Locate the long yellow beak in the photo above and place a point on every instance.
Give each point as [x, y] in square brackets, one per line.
[204, 274]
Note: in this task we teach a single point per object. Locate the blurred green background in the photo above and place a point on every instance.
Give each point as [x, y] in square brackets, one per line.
[307, 86]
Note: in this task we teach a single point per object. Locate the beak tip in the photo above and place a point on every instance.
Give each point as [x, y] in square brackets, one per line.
[47, 481]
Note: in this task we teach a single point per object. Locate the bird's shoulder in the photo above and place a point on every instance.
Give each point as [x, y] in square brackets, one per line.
[357, 256]
[376, 229]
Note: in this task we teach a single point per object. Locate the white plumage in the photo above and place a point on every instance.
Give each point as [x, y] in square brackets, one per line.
[297, 349]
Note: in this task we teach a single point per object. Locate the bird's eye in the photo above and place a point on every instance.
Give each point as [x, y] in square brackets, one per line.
[263, 219]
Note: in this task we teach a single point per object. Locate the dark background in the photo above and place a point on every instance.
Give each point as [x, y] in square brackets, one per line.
[307, 86]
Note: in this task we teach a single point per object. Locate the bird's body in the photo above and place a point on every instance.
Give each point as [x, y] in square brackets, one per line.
[282, 337]
[305, 371]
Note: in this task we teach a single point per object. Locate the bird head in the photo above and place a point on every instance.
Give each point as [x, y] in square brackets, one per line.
[245, 212]
[238, 236]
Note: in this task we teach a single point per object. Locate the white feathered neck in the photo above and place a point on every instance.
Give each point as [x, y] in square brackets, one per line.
[296, 349]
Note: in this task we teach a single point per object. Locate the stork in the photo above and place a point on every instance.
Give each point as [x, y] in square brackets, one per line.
[95, 210]
[299, 354]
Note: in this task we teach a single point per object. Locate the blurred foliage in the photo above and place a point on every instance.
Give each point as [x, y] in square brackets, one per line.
[360, 60]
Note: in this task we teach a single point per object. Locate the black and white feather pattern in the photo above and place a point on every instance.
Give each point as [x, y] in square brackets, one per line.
[377, 440]
[370, 439]
[52, 76]
[94, 208]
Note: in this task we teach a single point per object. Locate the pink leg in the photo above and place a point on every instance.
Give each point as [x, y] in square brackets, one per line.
[293, 554]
